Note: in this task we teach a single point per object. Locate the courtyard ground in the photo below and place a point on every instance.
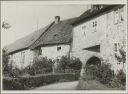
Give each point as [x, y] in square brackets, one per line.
[87, 85]
[60, 86]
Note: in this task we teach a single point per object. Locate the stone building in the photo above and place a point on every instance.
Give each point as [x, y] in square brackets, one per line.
[52, 41]
[99, 34]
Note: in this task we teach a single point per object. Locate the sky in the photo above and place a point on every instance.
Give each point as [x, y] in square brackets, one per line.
[25, 18]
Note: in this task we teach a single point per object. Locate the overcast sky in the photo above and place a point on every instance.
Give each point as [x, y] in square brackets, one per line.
[24, 18]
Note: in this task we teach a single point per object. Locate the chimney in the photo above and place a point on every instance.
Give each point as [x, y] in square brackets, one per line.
[57, 19]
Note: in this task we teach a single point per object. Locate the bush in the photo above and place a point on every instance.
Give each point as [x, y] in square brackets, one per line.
[12, 84]
[38, 80]
[119, 81]
[121, 76]
[5, 61]
[69, 63]
[42, 65]
[106, 76]
[103, 73]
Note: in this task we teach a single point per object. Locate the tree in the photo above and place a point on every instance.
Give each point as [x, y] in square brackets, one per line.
[5, 60]
[5, 25]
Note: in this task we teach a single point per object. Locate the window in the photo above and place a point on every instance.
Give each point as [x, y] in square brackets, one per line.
[58, 48]
[115, 47]
[39, 51]
[94, 24]
[55, 35]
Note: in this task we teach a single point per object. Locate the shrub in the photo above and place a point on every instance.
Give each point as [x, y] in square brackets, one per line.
[5, 61]
[12, 84]
[42, 65]
[103, 73]
[121, 76]
[69, 63]
[15, 73]
[38, 80]
[119, 81]
[75, 64]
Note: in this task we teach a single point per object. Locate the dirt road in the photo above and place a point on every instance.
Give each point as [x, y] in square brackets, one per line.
[59, 86]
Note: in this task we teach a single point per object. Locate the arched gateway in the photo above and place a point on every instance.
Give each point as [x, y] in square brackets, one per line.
[93, 61]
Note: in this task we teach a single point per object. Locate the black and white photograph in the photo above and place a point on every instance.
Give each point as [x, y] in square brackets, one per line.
[61, 46]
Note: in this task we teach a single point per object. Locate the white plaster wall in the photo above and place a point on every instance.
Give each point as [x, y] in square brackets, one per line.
[21, 59]
[87, 37]
[52, 53]
[107, 33]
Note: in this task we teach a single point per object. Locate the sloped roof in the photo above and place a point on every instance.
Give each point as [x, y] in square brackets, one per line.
[25, 42]
[60, 33]
[32, 39]
[92, 13]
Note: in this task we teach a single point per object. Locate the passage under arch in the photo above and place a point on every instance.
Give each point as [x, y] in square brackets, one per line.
[93, 61]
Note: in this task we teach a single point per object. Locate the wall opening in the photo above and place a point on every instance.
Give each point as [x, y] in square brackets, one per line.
[93, 61]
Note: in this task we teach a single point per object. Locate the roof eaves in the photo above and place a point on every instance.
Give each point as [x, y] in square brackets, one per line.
[89, 14]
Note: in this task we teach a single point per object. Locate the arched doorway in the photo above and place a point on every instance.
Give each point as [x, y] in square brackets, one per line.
[93, 61]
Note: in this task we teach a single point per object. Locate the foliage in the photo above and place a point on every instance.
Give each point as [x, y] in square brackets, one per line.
[106, 76]
[15, 72]
[38, 80]
[121, 76]
[121, 58]
[69, 63]
[119, 80]
[42, 65]
[5, 60]
[103, 73]
[6, 25]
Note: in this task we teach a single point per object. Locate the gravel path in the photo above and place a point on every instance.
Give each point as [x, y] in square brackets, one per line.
[59, 86]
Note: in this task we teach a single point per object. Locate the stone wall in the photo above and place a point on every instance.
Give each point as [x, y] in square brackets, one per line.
[108, 31]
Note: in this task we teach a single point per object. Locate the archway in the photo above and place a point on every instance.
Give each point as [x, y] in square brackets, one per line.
[93, 61]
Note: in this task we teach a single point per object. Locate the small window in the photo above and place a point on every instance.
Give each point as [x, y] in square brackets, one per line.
[94, 23]
[58, 48]
[55, 35]
[115, 47]
[39, 51]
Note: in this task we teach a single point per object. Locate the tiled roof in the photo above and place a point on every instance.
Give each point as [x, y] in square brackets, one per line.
[92, 13]
[64, 29]
[60, 33]
[25, 42]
